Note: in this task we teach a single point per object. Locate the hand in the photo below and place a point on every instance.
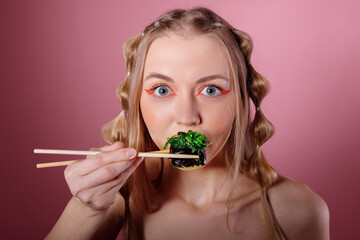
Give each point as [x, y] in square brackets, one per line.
[96, 179]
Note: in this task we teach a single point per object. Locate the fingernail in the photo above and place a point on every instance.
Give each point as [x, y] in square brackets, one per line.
[130, 153]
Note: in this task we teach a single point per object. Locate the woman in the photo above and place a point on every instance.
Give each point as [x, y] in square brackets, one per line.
[189, 70]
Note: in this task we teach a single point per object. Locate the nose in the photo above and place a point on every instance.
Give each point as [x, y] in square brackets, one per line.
[186, 112]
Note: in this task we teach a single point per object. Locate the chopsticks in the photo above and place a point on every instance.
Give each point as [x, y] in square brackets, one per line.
[159, 154]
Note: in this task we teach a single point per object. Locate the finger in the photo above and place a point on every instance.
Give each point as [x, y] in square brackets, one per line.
[120, 179]
[109, 172]
[126, 174]
[111, 147]
[93, 163]
[106, 199]
[91, 186]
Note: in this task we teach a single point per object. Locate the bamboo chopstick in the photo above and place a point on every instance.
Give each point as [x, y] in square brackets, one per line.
[77, 152]
[161, 154]
[55, 164]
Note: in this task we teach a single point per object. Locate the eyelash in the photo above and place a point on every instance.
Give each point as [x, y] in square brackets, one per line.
[151, 90]
[223, 92]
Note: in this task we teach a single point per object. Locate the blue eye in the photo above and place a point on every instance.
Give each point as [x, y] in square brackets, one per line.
[210, 91]
[163, 91]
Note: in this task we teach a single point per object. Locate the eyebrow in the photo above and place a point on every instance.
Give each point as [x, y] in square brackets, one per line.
[201, 80]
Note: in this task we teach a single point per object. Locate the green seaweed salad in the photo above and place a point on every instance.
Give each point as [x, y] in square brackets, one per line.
[188, 143]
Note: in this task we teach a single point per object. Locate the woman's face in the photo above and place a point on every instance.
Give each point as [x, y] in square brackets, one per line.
[187, 86]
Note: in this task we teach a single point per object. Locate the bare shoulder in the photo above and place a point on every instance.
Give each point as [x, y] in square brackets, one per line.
[301, 213]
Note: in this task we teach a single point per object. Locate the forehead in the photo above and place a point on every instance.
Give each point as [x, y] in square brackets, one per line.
[190, 53]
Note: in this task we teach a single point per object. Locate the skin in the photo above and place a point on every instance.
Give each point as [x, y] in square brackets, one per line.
[189, 204]
[94, 183]
[196, 99]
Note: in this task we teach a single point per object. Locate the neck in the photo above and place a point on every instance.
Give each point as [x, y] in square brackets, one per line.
[198, 187]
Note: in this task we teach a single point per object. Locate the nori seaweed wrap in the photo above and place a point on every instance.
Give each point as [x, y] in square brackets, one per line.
[188, 143]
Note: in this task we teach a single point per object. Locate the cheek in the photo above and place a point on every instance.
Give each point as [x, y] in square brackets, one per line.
[218, 123]
[223, 119]
[155, 117]
[220, 116]
[221, 127]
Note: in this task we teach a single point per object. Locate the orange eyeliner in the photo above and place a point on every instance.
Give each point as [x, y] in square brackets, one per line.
[173, 94]
[149, 91]
[224, 91]
[221, 90]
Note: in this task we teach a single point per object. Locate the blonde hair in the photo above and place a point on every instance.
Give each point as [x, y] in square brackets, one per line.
[243, 148]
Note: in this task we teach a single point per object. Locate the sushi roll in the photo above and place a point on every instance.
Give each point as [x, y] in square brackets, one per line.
[188, 143]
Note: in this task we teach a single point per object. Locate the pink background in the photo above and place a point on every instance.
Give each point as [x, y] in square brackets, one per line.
[62, 60]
